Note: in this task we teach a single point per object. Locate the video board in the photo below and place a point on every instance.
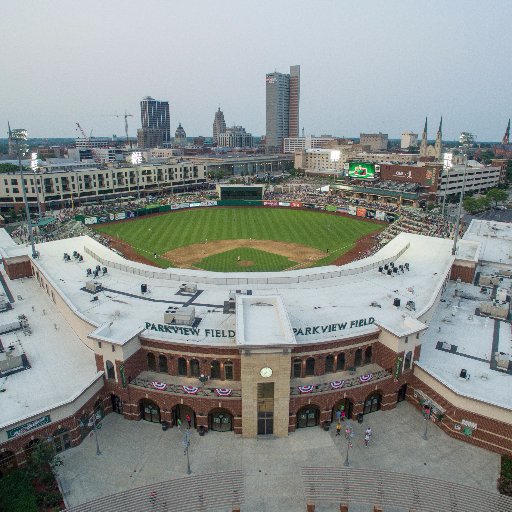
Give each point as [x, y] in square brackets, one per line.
[361, 170]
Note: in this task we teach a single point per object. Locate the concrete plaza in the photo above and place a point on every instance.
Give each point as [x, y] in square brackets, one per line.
[140, 453]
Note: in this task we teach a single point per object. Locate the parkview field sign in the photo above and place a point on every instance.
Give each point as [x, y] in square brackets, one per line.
[230, 333]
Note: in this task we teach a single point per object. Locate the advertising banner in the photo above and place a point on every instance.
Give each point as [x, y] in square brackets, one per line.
[209, 203]
[330, 208]
[27, 427]
[352, 210]
[90, 220]
[360, 211]
[380, 215]
[270, 203]
[195, 205]
[295, 205]
[130, 215]
[283, 204]
[120, 216]
[342, 209]
[308, 205]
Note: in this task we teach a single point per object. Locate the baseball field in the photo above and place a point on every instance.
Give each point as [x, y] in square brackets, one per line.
[239, 239]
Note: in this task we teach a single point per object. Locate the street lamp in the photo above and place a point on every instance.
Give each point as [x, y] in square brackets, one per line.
[349, 430]
[427, 410]
[93, 423]
[20, 138]
[466, 139]
[137, 160]
[186, 444]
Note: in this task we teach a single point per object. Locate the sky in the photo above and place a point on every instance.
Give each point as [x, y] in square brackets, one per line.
[366, 65]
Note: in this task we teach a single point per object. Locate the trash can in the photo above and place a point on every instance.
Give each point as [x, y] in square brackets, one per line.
[201, 430]
[360, 417]
[165, 425]
[327, 425]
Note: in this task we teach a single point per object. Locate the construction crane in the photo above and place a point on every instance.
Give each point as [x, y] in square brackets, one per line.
[89, 145]
[84, 135]
[126, 116]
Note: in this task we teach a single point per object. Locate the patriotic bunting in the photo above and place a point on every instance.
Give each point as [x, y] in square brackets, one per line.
[161, 386]
[306, 389]
[366, 378]
[337, 384]
[223, 391]
[190, 390]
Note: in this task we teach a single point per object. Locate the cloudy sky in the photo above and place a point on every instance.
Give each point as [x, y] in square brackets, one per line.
[366, 65]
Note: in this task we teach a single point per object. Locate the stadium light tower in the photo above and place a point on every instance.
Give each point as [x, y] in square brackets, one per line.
[20, 139]
[466, 139]
[34, 165]
[137, 160]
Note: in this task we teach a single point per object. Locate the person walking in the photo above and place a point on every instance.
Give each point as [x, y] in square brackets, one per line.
[347, 432]
[337, 415]
[368, 432]
[338, 428]
[179, 424]
[343, 415]
[366, 439]
[189, 420]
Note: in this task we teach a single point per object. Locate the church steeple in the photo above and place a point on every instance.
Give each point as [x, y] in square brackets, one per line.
[506, 137]
[438, 146]
[424, 141]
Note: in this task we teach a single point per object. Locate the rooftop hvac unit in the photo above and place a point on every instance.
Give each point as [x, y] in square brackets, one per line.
[188, 288]
[92, 286]
[180, 316]
[502, 360]
[396, 302]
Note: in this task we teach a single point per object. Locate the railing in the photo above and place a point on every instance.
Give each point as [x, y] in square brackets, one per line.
[397, 490]
[177, 389]
[349, 383]
[218, 492]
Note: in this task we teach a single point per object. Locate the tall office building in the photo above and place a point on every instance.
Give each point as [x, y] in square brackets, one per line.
[283, 98]
[219, 125]
[154, 115]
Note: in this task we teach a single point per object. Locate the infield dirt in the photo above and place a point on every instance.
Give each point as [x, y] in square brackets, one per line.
[186, 256]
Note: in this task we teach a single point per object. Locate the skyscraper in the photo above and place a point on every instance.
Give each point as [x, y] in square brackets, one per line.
[283, 98]
[219, 125]
[154, 115]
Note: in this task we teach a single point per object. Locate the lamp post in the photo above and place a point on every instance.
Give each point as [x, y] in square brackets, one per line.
[186, 444]
[20, 138]
[94, 419]
[466, 140]
[137, 160]
[427, 408]
[351, 434]
[34, 165]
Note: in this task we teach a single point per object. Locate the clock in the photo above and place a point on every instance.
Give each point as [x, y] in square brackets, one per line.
[266, 372]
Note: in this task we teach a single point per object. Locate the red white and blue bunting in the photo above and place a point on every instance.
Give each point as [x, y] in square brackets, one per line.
[190, 390]
[223, 391]
[161, 386]
[306, 389]
[366, 378]
[337, 384]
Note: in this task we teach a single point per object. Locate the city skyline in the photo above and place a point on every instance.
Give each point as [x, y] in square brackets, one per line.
[364, 68]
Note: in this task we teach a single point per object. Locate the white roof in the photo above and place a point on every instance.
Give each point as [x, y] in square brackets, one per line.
[61, 365]
[495, 239]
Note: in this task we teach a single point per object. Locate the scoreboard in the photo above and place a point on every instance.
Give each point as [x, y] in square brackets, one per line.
[240, 192]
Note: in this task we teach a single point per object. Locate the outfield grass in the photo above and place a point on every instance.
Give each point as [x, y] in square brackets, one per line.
[331, 234]
[261, 261]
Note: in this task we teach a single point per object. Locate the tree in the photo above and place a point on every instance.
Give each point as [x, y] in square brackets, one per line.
[43, 461]
[9, 168]
[497, 195]
[486, 156]
[470, 204]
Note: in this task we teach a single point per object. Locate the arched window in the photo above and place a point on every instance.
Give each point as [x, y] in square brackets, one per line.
[215, 370]
[151, 362]
[194, 368]
[228, 370]
[358, 357]
[408, 361]
[368, 355]
[162, 363]
[329, 363]
[182, 367]
[340, 362]
[111, 374]
[310, 366]
[297, 368]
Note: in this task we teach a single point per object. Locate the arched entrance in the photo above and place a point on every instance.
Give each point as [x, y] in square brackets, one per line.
[220, 420]
[402, 391]
[7, 462]
[372, 403]
[308, 416]
[117, 404]
[149, 411]
[181, 412]
[342, 405]
[30, 447]
[61, 440]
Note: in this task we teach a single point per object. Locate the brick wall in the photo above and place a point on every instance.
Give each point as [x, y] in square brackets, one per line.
[465, 274]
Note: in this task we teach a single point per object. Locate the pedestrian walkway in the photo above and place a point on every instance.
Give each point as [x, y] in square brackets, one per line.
[138, 453]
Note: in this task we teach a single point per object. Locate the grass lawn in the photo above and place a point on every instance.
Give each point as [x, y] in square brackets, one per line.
[17, 493]
[163, 233]
[261, 261]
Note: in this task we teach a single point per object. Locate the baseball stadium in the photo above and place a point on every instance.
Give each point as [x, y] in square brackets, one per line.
[261, 318]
